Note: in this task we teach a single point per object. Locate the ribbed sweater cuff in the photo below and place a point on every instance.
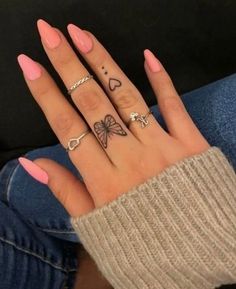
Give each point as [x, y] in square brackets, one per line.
[176, 230]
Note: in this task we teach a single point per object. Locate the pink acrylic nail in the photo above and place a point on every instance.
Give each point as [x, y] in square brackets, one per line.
[152, 62]
[30, 68]
[34, 170]
[80, 38]
[48, 34]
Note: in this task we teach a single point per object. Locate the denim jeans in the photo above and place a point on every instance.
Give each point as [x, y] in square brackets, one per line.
[37, 241]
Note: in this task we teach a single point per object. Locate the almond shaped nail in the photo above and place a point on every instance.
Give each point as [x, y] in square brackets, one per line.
[34, 170]
[30, 68]
[152, 62]
[80, 38]
[48, 34]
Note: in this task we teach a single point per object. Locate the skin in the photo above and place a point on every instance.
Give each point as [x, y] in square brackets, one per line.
[128, 160]
[88, 276]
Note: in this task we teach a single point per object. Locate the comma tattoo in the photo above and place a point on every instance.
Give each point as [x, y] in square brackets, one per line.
[106, 128]
[113, 82]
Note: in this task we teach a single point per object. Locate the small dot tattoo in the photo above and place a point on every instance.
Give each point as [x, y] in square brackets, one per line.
[105, 71]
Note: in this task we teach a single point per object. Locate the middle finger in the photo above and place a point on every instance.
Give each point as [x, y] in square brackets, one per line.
[90, 99]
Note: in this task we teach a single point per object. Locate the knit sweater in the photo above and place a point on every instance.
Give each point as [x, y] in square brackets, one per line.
[175, 230]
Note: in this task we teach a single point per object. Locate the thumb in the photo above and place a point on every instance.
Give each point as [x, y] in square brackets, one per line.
[70, 191]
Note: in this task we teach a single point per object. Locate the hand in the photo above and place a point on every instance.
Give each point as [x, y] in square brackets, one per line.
[110, 164]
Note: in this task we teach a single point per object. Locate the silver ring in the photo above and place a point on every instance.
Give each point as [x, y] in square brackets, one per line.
[135, 116]
[79, 82]
[74, 142]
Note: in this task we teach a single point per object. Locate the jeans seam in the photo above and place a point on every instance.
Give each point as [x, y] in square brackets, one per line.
[57, 266]
[10, 180]
[5, 175]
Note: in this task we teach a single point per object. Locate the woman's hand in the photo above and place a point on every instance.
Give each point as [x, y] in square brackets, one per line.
[110, 164]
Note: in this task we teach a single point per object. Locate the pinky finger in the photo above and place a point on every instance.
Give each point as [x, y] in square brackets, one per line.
[179, 123]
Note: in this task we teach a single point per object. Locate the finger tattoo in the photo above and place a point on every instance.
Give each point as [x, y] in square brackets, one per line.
[106, 128]
[113, 82]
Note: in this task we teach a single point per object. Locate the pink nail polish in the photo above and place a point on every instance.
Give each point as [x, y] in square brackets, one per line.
[34, 170]
[152, 62]
[30, 68]
[80, 38]
[49, 35]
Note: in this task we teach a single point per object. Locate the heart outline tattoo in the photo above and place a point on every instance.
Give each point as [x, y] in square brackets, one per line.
[114, 83]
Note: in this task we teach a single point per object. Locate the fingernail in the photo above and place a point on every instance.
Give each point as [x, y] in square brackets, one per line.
[30, 68]
[34, 170]
[50, 36]
[152, 62]
[80, 38]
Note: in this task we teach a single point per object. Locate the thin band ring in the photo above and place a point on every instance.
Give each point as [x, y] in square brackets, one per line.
[74, 142]
[79, 82]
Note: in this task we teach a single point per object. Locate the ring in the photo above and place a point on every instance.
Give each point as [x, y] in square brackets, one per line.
[74, 142]
[135, 116]
[79, 82]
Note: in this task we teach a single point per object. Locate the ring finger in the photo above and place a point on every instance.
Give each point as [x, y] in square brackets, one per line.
[89, 98]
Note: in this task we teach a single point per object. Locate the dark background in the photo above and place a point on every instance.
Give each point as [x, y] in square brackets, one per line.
[194, 39]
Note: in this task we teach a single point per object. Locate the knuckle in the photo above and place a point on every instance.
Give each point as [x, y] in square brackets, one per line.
[137, 170]
[87, 100]
[138, 162]
[42, 90]
[139, 166]
[126, 98]
[173, 104]
[44, 86]
[62, 59]
[63, 123]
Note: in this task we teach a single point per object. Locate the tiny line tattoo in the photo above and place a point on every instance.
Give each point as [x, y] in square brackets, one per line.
[106, 128]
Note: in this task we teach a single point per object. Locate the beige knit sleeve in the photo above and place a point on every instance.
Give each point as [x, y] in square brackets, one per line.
[176, 230]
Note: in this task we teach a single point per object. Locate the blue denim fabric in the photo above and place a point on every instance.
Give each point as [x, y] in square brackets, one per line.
[37, 241]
